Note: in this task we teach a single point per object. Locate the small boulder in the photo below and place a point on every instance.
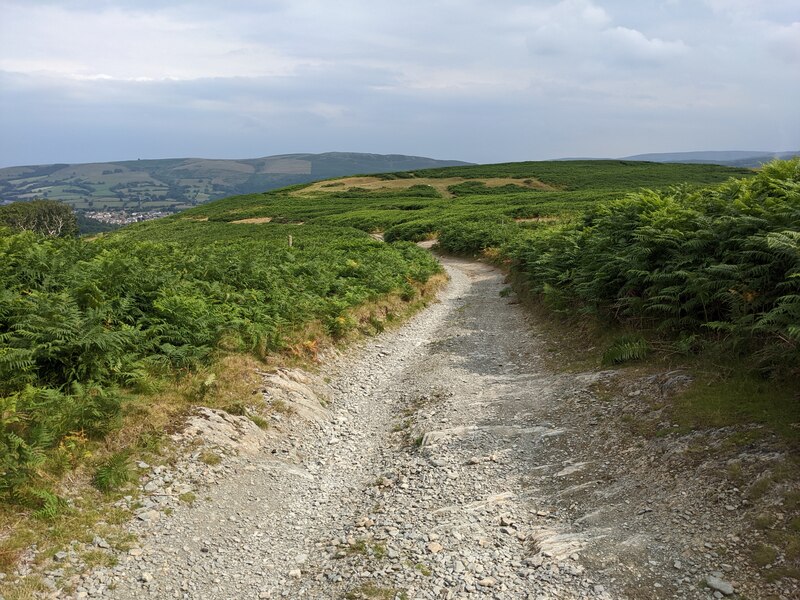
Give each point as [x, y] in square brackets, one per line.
[720, 585]
[435, 547]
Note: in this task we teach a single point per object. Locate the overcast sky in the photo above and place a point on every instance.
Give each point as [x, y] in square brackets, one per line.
[476, 80]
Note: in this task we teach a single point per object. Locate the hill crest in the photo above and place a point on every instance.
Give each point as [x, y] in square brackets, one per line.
[173, 184]
[730, 158]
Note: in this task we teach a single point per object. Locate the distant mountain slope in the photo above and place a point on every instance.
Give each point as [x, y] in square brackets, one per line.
[732, 158]
[178, 183]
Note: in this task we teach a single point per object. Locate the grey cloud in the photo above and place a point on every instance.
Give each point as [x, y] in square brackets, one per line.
[784, 42]
[471, 79]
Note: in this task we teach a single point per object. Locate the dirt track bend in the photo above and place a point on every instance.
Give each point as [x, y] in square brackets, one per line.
[453, 465]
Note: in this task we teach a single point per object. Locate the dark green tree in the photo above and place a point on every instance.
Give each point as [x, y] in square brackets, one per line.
[45, 217]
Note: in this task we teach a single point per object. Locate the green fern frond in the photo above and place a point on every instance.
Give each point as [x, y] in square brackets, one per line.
[625, 349]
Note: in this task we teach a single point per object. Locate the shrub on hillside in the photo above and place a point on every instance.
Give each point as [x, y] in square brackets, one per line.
[82, 322]
[45, 217]
[472, 238]
[722, 260]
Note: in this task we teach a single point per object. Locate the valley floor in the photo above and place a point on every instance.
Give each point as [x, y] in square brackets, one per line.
[451, 462]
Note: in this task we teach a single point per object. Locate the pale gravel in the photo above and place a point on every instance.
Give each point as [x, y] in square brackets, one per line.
[515, 490]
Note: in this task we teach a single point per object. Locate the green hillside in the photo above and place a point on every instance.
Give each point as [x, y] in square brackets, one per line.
[176, 184]
[682, 250]
[104, 340]
[412, 206]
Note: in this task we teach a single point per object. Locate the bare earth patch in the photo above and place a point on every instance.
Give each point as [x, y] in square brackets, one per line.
[441, 185]
[254, 220]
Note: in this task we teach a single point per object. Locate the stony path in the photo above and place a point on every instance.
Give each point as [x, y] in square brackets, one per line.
[449, 468]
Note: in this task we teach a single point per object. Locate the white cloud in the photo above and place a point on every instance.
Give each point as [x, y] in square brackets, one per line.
[421, 76]
[770, 10]
[586, 35]
[784, 41]
[639, 46]
[129, 44]
[555, 29]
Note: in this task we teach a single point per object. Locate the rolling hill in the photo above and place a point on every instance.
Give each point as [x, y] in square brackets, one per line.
[170, 185]
[730, 158]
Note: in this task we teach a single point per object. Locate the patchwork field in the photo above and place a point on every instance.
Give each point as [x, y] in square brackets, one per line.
[177, 184]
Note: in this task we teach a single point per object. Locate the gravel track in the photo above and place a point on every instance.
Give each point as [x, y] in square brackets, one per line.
[453, 465]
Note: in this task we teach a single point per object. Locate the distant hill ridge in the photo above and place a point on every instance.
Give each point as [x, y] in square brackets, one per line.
[726, 158]
[177, 183]
[731, 158]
